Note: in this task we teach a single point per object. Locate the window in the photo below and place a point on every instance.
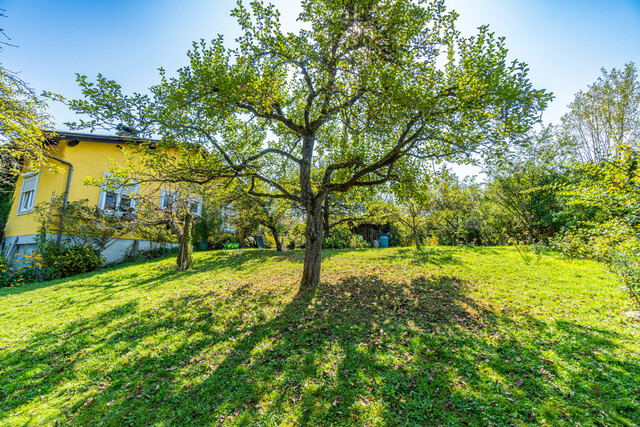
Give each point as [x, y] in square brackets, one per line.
[117, 199]
[168, 199]
[195, 205]
[27, 200]
[228, 214]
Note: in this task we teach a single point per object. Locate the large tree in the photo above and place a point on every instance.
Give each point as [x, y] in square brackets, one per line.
[365, 88]
[22, 123]
[604, 116]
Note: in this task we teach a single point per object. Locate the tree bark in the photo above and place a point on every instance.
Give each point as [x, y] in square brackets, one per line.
[416, 237]
[185, 259]
[276, 237]
[313, 249]
[455, 233]
[529, 237]
[326, 227]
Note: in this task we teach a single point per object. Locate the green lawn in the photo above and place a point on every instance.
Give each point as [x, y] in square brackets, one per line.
[391, 337]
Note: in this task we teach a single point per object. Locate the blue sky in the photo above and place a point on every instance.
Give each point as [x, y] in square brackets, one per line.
[565, 42]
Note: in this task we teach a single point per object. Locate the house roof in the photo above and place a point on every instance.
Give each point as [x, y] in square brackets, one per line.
[91, 137]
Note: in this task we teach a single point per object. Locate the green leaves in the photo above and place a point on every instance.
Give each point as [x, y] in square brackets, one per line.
[605, 116]
[365, 91]
[22, 125]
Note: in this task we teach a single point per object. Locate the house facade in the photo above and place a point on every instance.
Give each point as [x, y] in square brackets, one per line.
[77, 156]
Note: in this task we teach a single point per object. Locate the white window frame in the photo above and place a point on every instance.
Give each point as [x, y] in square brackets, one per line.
[165, 197]
[119, 191]
[226, 225]
[29, 209]
[198, 201]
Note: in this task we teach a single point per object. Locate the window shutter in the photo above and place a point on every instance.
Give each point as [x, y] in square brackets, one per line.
[29, 184]
[135, 189]
[27, 199]
[163, 199]
[103, 191]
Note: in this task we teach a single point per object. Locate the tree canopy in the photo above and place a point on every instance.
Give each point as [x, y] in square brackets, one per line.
[605, 116]
[365, 89]
[22, 124]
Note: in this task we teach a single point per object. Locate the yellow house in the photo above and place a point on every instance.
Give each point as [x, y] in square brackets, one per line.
[79, 156]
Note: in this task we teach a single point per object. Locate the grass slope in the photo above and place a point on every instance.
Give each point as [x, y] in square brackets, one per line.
[391, 337]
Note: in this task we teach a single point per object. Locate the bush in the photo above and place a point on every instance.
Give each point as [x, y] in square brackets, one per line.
[65, 261]
[155, 251]
[431, 241]
[219, 240]
[21, 269]
[269, 241]
[342, 238]
[625, 263]
[49, 262]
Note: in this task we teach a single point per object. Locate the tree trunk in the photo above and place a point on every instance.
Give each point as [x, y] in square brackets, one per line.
[455, 233]
[326, 228]
[185, 259]
[416, 237]
[529, 237]
[276, 237]
[414, 229]
[313, 249]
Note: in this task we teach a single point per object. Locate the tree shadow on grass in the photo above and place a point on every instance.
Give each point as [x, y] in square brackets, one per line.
[429, 255]
[164, 269]
[359, 351]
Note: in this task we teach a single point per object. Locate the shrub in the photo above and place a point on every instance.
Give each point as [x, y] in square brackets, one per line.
[269, 241]
[219, 240]
[8, 274]
[21, 269]
[65, 261]
[342, 238]
[59, 261]
[155, 251]
[431, 241]
[625, 263]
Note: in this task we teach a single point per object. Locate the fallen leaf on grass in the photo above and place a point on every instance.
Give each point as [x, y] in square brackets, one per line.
[545, 373]
[518, 382]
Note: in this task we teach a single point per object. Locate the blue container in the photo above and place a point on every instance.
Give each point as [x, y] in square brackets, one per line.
[384, 242]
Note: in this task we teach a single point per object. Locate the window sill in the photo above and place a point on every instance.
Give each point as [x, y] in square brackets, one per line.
[25, 212]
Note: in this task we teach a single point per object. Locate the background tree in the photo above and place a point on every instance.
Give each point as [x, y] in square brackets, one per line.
[356, 206]
[413, 204]
[602, 202]
[258, 211]
[364, 89]
[158, 200]
[6, 201]
[524, 183]
[454, 200]
[605, 116]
